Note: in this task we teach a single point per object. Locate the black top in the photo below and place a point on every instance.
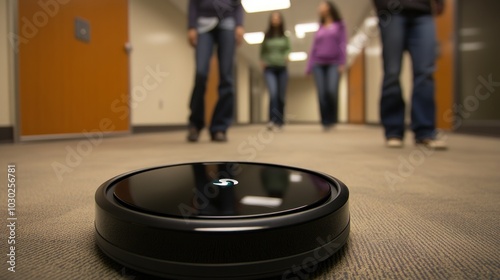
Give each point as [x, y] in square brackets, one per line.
[222, 190]
[408, 6]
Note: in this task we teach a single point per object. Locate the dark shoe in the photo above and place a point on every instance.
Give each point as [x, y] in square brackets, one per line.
[219, 136]
[193, 134]
[328, 127]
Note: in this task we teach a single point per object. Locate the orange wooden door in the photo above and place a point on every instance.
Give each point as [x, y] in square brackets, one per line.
[445, 66]
[69, 86]
[212, 95]
[356, 89]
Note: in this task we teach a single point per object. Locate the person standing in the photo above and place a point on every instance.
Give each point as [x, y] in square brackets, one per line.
[410, 27]
[326, 61]
[274, 53]
[210, 23]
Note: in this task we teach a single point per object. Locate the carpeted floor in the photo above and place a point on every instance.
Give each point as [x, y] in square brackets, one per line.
[415, 214]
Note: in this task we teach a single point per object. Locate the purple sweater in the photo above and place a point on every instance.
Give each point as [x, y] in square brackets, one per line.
[329, 46]
[214, 8]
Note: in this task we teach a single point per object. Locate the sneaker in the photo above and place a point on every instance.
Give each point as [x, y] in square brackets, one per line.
[219, 136]
[274, 127]
[394, 143]
[433, 144]
[193, 134]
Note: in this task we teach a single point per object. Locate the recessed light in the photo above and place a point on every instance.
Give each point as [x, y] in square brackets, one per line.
[255, 6]
[303, 28]
[253, 38]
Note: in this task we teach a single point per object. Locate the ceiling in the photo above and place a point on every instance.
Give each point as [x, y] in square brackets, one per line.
[301, 11]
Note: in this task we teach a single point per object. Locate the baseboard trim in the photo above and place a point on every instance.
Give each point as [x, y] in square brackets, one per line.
[157, 128]
[6, 134]
[487, 130]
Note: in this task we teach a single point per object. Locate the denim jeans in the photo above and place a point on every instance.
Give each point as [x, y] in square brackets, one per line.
[276, 79]
[327, 84]
[223, 113]
[417, 35]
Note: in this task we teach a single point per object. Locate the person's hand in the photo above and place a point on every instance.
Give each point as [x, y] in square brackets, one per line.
[238, 34]
[341, 68]
[263, 65]
[192, 37]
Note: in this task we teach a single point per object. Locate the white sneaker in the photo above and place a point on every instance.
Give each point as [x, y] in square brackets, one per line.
[394, 143]
[434, 144]
[274, 127]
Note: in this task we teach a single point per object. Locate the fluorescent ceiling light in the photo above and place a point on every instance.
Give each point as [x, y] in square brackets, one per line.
[253, 38]
[255, 6]
[297, 56]
[303, 28]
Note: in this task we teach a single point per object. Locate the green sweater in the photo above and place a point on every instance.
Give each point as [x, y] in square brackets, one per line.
[274, 51]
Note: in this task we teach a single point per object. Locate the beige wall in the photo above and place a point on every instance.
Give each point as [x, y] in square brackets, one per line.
[243, 90]
[158, 39]
[6, 118]
[302, 100]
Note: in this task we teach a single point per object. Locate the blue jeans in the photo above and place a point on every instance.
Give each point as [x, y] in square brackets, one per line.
[223, 112]
[417, 35]
[327, 83]
[276, 79]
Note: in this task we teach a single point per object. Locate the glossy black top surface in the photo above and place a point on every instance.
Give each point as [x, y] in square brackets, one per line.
[222, 190]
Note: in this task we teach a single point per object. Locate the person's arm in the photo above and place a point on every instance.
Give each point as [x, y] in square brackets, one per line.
[192, 22]
[287, 48]
[238, 16]
[192, 14]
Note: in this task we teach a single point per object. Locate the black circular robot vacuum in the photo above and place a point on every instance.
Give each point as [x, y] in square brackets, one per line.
[222, 220]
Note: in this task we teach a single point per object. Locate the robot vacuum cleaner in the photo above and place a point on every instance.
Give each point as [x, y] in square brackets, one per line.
[222, 220]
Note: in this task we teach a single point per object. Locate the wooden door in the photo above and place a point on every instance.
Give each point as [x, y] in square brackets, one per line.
[445, 65]
[66, 85]
[356, 89]
[212, 94]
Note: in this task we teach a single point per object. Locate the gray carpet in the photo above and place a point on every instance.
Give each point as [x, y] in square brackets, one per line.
[437, 218]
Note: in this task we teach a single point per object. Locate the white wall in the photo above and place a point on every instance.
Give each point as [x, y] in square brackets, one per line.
[302, 100]
[6, 118]
[158, 37]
